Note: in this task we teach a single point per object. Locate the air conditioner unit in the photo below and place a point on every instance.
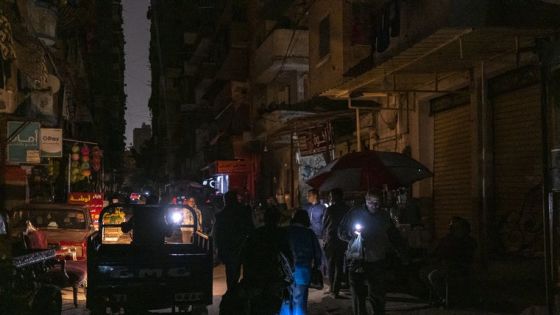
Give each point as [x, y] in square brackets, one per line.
[7, 102]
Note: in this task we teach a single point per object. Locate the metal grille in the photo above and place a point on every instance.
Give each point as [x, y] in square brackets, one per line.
[452, 167]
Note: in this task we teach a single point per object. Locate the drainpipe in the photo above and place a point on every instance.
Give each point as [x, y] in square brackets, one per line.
[485, 169]
[292, 177]
[547, 195]
[358, 128]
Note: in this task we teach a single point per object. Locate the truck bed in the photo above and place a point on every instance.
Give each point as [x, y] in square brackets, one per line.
[150, 277]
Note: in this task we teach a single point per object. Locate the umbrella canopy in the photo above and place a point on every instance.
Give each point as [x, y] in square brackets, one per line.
[369, 169]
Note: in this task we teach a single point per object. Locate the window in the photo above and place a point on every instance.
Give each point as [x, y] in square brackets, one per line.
[324, 37]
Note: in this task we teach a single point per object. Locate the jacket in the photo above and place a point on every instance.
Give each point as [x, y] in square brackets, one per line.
[378, 235]
[316, 213]
[331, 221]
[231, 230]
[306, 252]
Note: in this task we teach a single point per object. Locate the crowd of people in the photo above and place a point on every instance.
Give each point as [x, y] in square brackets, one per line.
[271, 264]
[351, 247]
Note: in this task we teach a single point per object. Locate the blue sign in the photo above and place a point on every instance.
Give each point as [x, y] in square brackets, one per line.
[24, 143]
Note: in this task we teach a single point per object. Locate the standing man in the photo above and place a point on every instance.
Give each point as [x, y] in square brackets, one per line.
[371, 235]
[334, 247]
[231, 230]
[189, 207]
[316, 211]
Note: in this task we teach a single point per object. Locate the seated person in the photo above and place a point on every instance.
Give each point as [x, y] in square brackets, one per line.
[148, 225]
[453, 257]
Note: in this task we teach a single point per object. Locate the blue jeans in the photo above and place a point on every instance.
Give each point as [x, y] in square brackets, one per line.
[297, 304]
[300, 294]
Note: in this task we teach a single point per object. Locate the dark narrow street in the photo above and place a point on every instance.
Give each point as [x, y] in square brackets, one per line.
[280, 157]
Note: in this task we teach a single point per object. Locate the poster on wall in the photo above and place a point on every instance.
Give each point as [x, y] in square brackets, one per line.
[315, 140]
[51, 142]
[308, 167]
[25, 138]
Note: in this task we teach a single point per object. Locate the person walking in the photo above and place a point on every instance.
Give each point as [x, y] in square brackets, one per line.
[370, 234]
[306, 257]
[231, 229]
[266, 270]
[334, 247]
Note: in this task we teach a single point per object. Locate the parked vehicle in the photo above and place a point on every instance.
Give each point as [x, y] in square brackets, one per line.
[26, 283]
[66, 226]
[137, 261]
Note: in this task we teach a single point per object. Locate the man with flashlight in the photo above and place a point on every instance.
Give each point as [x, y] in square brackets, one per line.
[371, 235]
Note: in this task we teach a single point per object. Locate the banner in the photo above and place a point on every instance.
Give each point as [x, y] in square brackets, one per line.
[26, 139]
[51, 142]
[315, 140]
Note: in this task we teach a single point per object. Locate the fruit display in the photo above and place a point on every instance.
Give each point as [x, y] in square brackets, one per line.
[75, 174]
[96, 155]
[85, 162]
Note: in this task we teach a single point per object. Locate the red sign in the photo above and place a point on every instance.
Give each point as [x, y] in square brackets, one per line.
[228, 167]
[92, 201]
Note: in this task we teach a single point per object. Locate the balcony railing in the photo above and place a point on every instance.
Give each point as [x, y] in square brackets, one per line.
[273, 54]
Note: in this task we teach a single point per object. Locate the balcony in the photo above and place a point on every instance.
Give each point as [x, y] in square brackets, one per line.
[273, 55]
[231, 53]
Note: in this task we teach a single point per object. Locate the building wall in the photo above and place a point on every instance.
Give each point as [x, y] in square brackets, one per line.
[140, 136]
[327, 71]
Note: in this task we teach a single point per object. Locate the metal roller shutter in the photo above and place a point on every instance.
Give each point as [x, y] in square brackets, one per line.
[518, 166]
[452, 167]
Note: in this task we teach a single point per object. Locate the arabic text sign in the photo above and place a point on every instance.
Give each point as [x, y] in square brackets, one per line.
[51, 142]
[27, 138]
[91, 200]
[315, 140]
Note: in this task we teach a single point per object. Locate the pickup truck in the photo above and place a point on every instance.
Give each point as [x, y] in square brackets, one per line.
[139, 260]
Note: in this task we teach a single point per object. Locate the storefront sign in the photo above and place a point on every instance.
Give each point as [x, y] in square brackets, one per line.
[315, 140]
[51, 142]
[226, 167]
[33, 156]
[92, 201]
[25, 139]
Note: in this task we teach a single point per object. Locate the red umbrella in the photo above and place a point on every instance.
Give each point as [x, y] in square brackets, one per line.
[369, 169]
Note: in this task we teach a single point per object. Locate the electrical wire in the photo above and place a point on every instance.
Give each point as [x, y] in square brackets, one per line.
[291, 42]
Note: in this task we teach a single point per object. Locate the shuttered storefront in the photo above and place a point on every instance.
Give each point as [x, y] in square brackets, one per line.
[452, 165]
[518, 166]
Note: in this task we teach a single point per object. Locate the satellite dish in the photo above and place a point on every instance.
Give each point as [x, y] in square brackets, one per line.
[54, 83]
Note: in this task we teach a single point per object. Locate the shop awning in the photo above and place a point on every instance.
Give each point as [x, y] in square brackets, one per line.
[445, 52]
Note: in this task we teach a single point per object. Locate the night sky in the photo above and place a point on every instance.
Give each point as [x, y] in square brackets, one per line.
[137, 72]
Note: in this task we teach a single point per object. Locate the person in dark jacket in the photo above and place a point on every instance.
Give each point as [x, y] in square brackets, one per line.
[149, 226]
[334, 246]
[306, 256]
[265, 265]
[231, 230]
[371, 235]
[316, 211]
